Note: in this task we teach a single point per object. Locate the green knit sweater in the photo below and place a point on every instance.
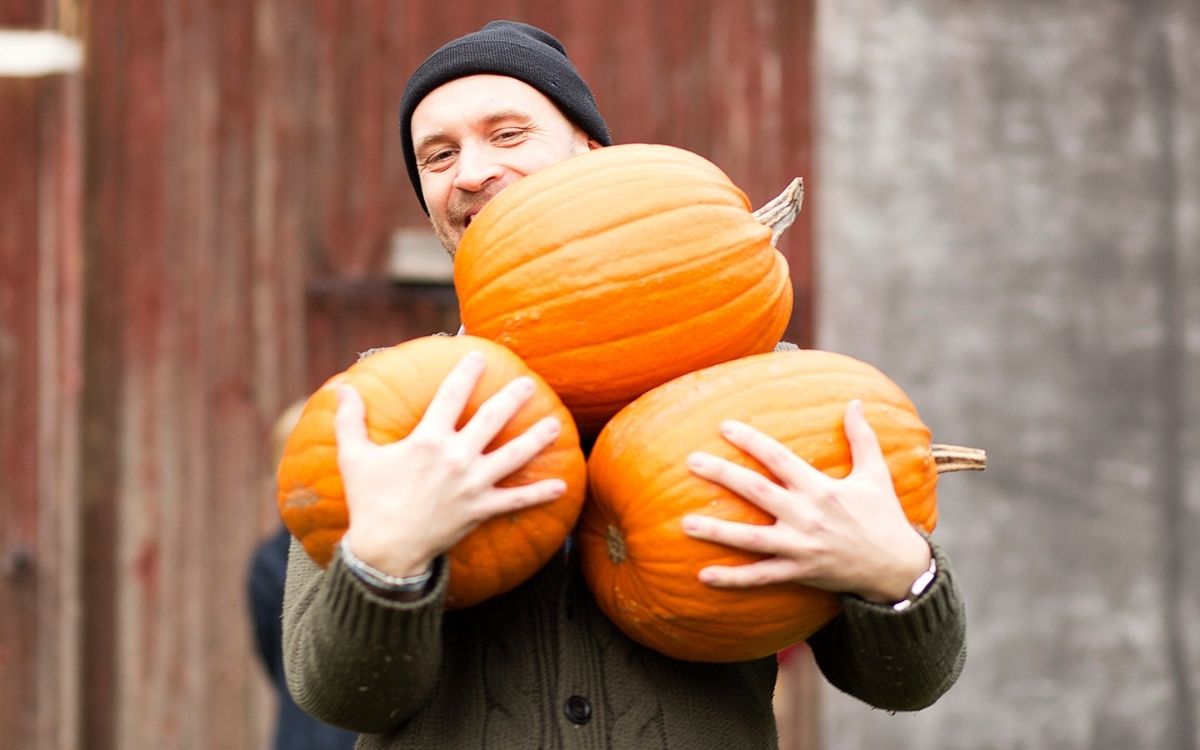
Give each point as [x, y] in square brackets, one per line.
[541, 666]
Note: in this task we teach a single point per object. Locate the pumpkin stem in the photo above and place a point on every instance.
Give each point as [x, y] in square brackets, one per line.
[779, 212]
[958, 458]
[370, 352]
[616, 544]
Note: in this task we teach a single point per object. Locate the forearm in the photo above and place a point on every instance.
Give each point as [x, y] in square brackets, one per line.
[899, 661]
[353, 658]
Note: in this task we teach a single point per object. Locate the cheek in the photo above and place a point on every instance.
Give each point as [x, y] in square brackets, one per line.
[437, 201]
[434, 191]
[444, 231]
[437, 217]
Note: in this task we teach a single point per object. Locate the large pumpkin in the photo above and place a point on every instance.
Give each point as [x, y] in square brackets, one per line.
[397, 385]
[615, 271]
[638, 562]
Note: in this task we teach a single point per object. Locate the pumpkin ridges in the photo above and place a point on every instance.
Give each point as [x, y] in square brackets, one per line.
[310, 459]
[854, 383]
[652, 327]
[578, 369]
[572, 266]
[639, 481]
[666, 616]
[586, 271]
[577, 361]
[387, 426]
[529, 199]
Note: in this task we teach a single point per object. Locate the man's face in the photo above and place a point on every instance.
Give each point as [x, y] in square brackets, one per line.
[474, 136]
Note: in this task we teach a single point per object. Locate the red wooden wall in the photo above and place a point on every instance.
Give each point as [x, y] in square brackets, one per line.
[40, 391]
[194, 232]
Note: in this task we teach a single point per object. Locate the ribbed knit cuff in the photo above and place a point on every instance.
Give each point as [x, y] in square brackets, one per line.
[899, 661]
[879, 627]
[363, 613]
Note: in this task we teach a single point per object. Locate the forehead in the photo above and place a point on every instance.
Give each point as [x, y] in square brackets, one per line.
[477, 98]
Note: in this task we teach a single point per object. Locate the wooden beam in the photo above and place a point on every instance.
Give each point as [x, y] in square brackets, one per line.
[40, 379]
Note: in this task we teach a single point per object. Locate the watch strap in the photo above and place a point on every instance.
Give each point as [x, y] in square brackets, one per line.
[383, 581]
[918, 586]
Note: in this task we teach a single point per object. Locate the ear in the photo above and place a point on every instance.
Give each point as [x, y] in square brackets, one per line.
[581, 144]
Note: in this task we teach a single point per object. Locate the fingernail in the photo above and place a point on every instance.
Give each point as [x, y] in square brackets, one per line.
[707, 576]
[729, 427]
[551, 426]
[690, 523]
[857, 406]
[525, 384]
[475, 359]
[558, 488]
[697, 460]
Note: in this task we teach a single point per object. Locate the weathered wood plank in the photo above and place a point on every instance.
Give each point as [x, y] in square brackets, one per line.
[60, 294]
[19, 267]
[196, 230]
[40, 312]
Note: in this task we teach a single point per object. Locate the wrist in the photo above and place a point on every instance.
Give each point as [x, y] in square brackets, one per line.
[897, 583]
[382, 582]
[391, 557]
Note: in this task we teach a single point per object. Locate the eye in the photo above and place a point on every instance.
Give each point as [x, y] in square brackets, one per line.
[439, 158]
[508, 135]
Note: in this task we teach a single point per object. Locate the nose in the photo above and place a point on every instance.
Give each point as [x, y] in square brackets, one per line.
[476, 168]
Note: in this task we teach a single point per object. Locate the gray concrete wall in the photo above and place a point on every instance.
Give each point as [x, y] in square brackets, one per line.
[1008, 214]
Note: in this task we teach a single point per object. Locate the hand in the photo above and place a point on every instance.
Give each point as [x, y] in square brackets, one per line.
[414, 499]
[845, 535]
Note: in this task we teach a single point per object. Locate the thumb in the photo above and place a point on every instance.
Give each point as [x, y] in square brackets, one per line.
[865, 451]
[350, 420]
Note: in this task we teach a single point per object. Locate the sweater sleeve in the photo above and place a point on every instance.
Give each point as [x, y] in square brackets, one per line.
[898, 661]
[355, 659]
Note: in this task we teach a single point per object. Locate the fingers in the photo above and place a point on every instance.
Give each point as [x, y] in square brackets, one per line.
[350, 420]
[740, 480]
[865, 452]
[452, 395]
[762, 573]
[781, 566]
[521, 449]
[491, 417]
[796, 473]
[504, 500]
[827, 530]
[785, 465]
[447, 406]
[766, 540]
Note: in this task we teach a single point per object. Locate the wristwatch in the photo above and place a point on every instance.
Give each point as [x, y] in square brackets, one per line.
[918, 586]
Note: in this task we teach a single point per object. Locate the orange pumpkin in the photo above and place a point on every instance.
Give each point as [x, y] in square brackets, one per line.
[638, 562]
[397, 385]
[615, 271]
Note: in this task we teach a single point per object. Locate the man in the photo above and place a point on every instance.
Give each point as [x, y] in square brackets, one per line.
[368, 644]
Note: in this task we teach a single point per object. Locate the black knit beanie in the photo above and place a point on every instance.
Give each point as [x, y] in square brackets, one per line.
[505, 48]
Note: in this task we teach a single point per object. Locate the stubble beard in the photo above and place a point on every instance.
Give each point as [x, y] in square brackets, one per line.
[461, 206]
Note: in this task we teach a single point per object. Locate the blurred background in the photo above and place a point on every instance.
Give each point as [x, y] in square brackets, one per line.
[204, 214]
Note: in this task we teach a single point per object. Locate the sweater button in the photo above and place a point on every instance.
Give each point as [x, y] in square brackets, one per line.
[577, 709]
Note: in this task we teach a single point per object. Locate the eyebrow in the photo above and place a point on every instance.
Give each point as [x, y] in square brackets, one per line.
[489, 120]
